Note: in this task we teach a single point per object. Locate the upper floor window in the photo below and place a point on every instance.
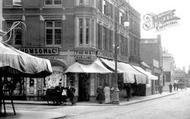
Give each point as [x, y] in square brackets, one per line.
[123, 18]
[80, 31]
[81, 2]
[53, 2]
[12, 3]
[16, 35]
[108, 8]
[84, 2]
[84, 31]
[17, 3]
[53, 31]
[99, 5]
[87, 30]
[99, 40]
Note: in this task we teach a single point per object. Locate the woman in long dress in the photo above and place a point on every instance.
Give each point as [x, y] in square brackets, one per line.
[100, 95]
[107, 93]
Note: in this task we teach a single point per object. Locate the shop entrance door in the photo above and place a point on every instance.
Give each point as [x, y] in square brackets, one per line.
[84, 87]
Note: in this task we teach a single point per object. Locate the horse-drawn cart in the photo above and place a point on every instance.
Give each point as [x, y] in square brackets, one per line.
[56, 98]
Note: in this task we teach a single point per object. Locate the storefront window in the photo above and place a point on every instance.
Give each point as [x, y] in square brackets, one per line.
[71, 80]
[120, 81]
[15, 85]
[103, 79]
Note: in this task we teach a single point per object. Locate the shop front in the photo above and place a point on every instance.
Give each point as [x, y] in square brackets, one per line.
[87, 78]
[128, 75]
[150, 78]
[19, 69]
[157, 83]
[36, 87]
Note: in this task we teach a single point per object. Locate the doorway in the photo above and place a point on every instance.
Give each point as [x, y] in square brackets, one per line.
[84, 87]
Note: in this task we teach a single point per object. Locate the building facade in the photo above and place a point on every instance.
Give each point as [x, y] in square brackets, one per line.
[68, 31]
[168, 69]
[180, 77]
[151, 54]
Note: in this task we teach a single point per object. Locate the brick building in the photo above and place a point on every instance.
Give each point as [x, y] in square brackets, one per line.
[151, 54]
[168, 69]
[68, 31]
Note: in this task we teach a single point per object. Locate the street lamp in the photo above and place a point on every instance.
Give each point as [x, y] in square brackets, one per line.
[115, 98]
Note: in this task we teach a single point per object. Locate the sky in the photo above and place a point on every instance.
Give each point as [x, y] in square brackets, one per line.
[175, 39]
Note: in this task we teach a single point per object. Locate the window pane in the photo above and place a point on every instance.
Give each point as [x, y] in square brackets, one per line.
[104, 38]
[57, 2]
[81, 2]
[99, 36]
[105, 9]
[87, 30]
[48, 2]
[99, 5]
[18, 36]
[49, 36]
[17, 3]
[58, 24]
[9, 24]
[49, 24]
[81, 31]
[87, 2]
[57, 36]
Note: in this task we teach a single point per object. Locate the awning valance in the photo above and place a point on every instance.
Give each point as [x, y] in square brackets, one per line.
[148, 74]
[130, 73]
[95, 67]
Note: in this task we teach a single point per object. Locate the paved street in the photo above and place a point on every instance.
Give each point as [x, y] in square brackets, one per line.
[170, 107]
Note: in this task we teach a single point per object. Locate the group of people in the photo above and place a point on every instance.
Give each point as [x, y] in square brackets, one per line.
[66, 92]
[175, 86]
[103, 94]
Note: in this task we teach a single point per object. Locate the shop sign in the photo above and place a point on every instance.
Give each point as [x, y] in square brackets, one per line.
[156, 63]
[41, 51]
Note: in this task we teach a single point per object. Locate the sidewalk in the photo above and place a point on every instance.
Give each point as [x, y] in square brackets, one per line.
[136, 99]
[79, 108]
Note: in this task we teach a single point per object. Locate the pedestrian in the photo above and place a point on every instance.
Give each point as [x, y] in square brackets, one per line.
[160, 89]
[174, 86]
[170, 87]
[71, 94]
[100, 95]
[128, 91]
[64, 94]
[177, 85]
[59, 90]
[107, 93]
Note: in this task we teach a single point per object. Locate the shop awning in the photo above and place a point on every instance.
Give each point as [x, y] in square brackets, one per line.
[14, 62]
[111, 65]
[129, 70]
[130, 73]
[148, 74]
[95, 67]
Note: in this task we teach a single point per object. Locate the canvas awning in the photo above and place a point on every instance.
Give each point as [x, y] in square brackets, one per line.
[95, 67]
[148, 74]
[128, 69]
[14, 62]
[130, 73]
